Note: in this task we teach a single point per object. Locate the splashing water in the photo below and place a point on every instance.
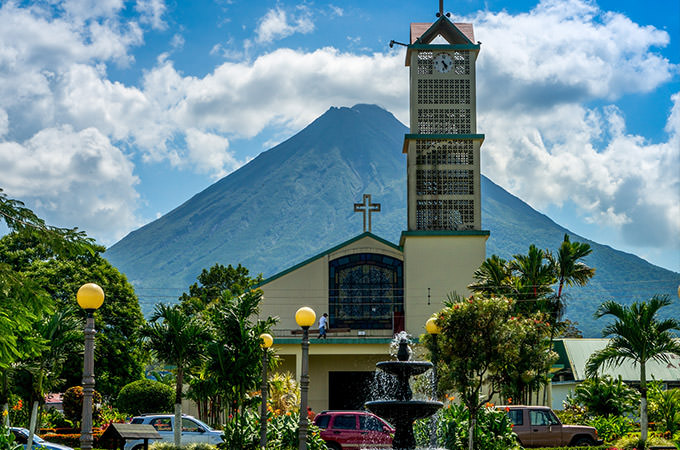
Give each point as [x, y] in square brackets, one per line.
[396, 340]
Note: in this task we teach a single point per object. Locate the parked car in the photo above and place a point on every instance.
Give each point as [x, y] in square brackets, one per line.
[21, 437]
[353, 429]
[193, 430]
[538, 426]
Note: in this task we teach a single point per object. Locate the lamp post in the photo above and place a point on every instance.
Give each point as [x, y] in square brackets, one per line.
[90, 297]
[432, 328]
[305, 318]
[266, 341]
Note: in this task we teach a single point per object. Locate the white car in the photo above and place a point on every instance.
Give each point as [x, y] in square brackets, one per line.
[193, 430]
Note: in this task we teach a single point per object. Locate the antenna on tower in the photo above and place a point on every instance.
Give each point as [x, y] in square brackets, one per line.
[441, 9]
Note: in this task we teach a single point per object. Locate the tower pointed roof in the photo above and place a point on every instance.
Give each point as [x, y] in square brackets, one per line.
[453, 33]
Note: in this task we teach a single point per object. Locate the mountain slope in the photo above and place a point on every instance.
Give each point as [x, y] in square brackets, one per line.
[295, 200]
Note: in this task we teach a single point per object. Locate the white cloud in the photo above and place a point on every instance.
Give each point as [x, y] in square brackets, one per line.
[630, 185]
[177, 41]
[277, 24]
[544, 145]
[585, 54]
[209, 151]
[75, 178]
[151, 12]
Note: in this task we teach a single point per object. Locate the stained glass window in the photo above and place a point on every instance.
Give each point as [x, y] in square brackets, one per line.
[366, 291]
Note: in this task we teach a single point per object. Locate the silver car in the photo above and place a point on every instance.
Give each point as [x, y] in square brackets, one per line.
[193, 430]
[21, 437]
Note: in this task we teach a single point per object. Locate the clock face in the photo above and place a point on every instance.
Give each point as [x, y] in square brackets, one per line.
[443, 62]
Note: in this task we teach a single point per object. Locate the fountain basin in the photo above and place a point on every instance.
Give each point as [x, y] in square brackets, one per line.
[395, 411]
[404, 368]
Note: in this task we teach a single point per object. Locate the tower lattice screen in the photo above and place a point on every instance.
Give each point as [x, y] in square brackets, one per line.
[440, 214]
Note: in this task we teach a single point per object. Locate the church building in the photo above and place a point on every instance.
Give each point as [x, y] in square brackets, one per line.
[372, 288]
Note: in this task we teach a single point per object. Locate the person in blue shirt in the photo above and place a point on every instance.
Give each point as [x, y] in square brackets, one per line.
[323, 326]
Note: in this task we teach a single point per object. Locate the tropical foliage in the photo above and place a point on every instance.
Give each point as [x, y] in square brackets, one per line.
[605, 396]
[177, 339]
[639, 336]
[119, 358]
[493, 430]
[479, 350]
[23, 300]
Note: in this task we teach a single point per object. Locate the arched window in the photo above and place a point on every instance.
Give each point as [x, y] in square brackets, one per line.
[366, 291]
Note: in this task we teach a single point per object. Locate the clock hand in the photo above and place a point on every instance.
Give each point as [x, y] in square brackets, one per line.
[446, 66]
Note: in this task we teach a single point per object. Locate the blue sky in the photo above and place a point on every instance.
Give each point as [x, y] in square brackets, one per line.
[114, 112]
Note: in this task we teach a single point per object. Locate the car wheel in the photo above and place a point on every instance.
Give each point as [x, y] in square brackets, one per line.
[333, 446]
[583, 442]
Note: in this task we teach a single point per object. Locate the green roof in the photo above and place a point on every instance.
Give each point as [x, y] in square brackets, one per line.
[329, 251]
[574, 354]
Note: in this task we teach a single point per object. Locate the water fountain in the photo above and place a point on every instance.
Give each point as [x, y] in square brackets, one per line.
[402, 411]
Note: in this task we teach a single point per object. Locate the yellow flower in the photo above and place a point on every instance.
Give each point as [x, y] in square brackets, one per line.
[4, 413]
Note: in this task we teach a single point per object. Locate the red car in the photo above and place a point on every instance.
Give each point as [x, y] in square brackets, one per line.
[353, 429]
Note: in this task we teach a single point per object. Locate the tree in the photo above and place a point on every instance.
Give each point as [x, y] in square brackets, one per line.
[528, 358]
[119, 356]
[178, 339]
[637, 334]
[535, 275]
[22, 300]
[213, 283]
[235, 354]
[475, 339]
[494, 277]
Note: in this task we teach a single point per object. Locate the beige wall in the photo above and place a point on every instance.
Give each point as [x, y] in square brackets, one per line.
[441, 263]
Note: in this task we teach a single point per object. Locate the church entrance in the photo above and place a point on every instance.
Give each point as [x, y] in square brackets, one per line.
[349, 390]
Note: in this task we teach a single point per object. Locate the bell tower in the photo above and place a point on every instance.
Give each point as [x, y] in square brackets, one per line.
[444, 243]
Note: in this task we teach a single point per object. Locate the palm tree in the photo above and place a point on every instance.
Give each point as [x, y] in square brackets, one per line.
[568, 267]
[534, 276]
[493, 277]
[638, 335]
[569, 270]
[178, 340]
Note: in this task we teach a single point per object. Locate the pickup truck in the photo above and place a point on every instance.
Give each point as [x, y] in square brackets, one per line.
[538, 426]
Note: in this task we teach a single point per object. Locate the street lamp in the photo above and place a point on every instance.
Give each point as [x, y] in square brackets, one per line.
[432, 328]
[305, 318]
[90, 297]
[266, 341]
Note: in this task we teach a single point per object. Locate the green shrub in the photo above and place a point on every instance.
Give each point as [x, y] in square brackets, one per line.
[611, 428]
[73, 404]
[282, 433]
[7, 440]
[145, 396]
[664, 408]
[493, 431]
[53, 418]
[604, 396]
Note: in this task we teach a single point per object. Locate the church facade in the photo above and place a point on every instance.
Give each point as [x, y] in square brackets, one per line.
[372, 288]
